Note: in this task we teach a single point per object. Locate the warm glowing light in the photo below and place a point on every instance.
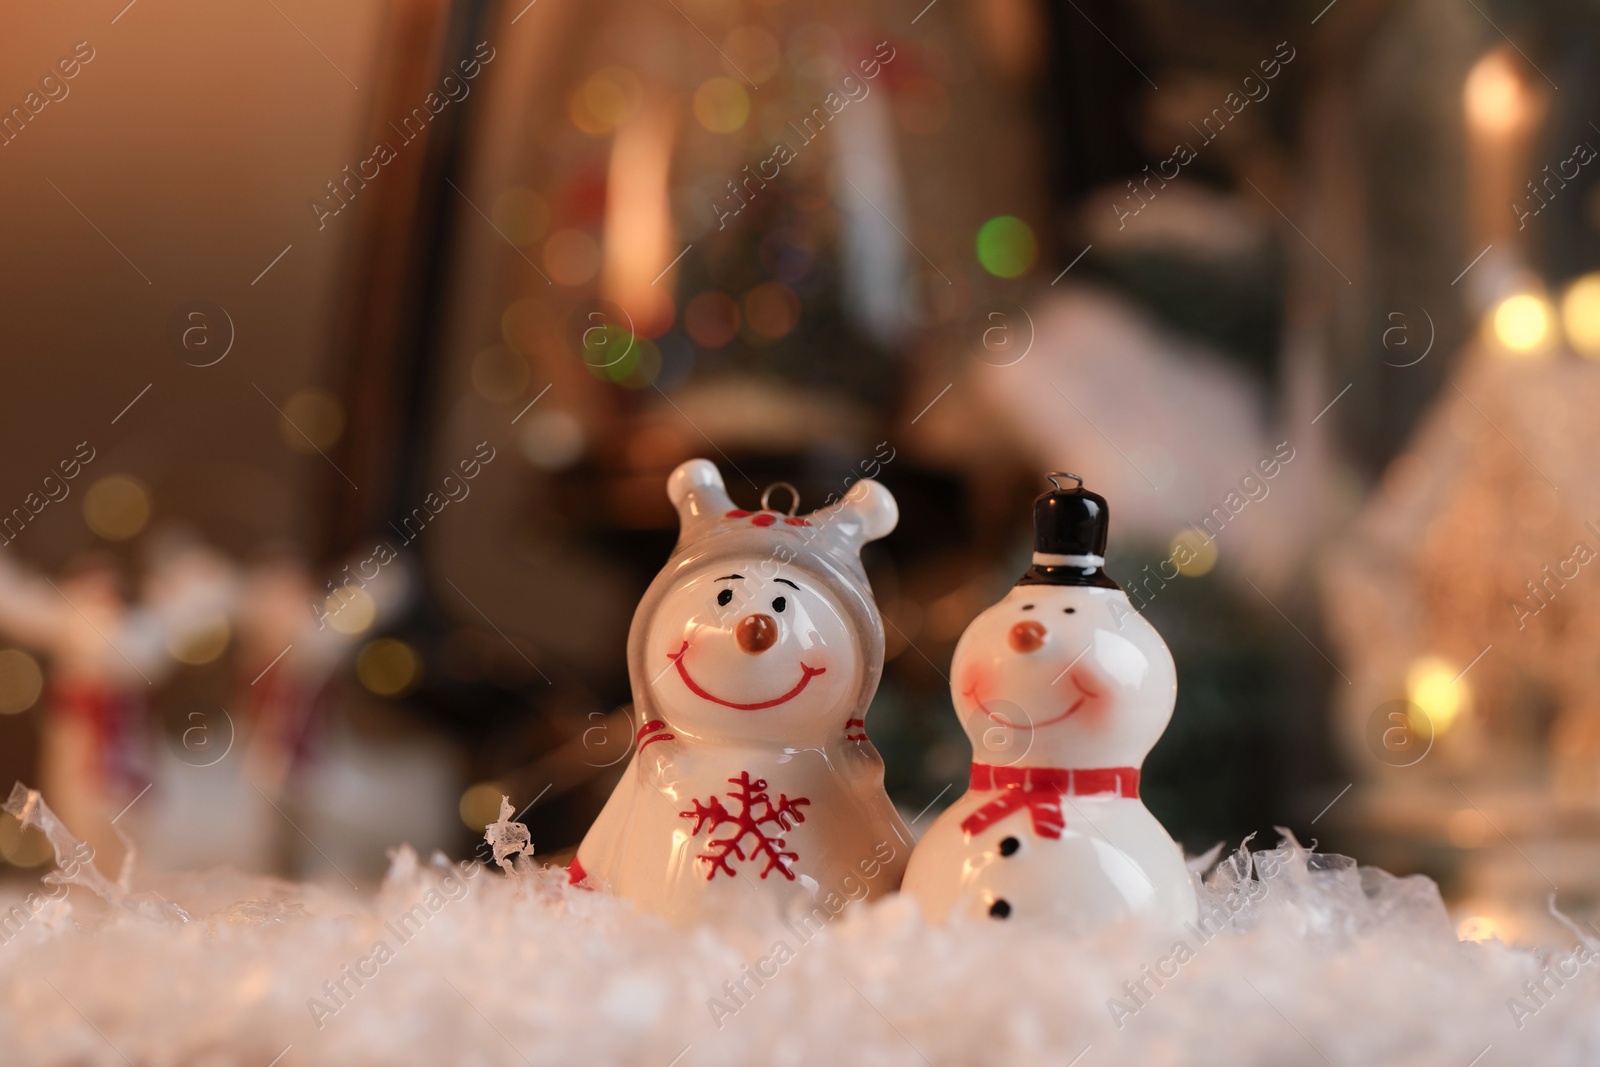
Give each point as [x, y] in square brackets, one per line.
[639, 240]
[721, 104]
[1495, 96]
[20, 846]
[1479, 928]
[388, 667]
[480, 805]
[1436, 687]
[499, 374]
[552, 439]
[312, 420]
[1580, 315]
[1192, 554]
[116, 507]
[1468, 829]
[350, 610]
[1006, 246]
[605, 101]
[21, 681]
[1521, 323]
[202, 643]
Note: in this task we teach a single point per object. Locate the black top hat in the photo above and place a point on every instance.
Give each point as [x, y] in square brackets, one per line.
[1069, 537]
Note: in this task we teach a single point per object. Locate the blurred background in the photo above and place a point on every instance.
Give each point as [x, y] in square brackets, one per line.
[347, 348]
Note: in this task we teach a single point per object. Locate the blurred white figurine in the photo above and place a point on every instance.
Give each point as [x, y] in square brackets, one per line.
[103, 658]
[1065, 689]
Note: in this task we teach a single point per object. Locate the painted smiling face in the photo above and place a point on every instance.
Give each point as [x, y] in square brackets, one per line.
[1063, 676]
[762, 625]
[752, 650]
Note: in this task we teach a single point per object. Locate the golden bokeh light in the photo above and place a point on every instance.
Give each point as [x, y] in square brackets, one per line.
[771, 310]
[1495, 97]
[312, 419]
[201, 644]
[22, 846]
[1435, 686]
[605, 100]
[1580, 315]
[116, 507]
[388, 667]
[1521, 323]
[721, 105]
[21, 681]
[1193, 555]
[480, 805]
[350, 610]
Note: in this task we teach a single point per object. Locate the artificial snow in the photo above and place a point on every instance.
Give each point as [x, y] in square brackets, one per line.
[1299, 958]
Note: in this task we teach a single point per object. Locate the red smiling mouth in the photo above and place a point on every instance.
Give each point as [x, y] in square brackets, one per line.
[806, 674]
[1084, 695]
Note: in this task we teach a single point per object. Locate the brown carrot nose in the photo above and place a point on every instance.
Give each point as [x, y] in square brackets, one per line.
[1027, 636]
[756, 633]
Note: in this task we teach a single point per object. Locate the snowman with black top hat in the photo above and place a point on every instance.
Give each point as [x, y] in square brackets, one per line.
[1063, 690]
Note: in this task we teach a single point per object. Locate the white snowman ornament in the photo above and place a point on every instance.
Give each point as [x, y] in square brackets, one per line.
[753, 656]
[1063, 689]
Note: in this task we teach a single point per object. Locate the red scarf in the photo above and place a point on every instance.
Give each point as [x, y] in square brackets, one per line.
[1040, 789]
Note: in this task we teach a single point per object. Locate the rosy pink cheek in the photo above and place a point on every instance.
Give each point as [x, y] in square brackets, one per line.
[1091, 696]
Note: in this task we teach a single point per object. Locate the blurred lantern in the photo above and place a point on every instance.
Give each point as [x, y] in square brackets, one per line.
[116, 507]
[1006, 246]
[1521, 323]
[21, 681]
[1580, 315]
[311, 419]
[1437, 688]
[1496, 99]
[388, 667]
[721, 105]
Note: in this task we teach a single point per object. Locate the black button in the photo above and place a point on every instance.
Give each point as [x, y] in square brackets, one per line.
[1009, 845]
[1000, 910]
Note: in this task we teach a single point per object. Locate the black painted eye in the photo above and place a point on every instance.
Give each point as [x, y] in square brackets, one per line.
[1000, 909]
[1070, 611]
[724, 597]
[1027, 607]
[779, 604]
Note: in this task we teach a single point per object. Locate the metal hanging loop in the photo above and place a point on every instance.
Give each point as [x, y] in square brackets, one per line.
[1053, 475]
[794, 497]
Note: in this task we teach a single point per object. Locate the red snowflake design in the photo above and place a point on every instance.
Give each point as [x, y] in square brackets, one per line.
[755, 810]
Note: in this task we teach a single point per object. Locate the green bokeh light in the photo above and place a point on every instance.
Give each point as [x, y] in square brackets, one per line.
[1006, 246]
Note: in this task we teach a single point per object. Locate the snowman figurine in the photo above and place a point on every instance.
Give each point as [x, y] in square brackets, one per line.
[753, 657]
[1063, 689]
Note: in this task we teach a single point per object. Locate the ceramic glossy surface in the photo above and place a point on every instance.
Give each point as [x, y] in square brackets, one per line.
[1062, 690]
[753, 657]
